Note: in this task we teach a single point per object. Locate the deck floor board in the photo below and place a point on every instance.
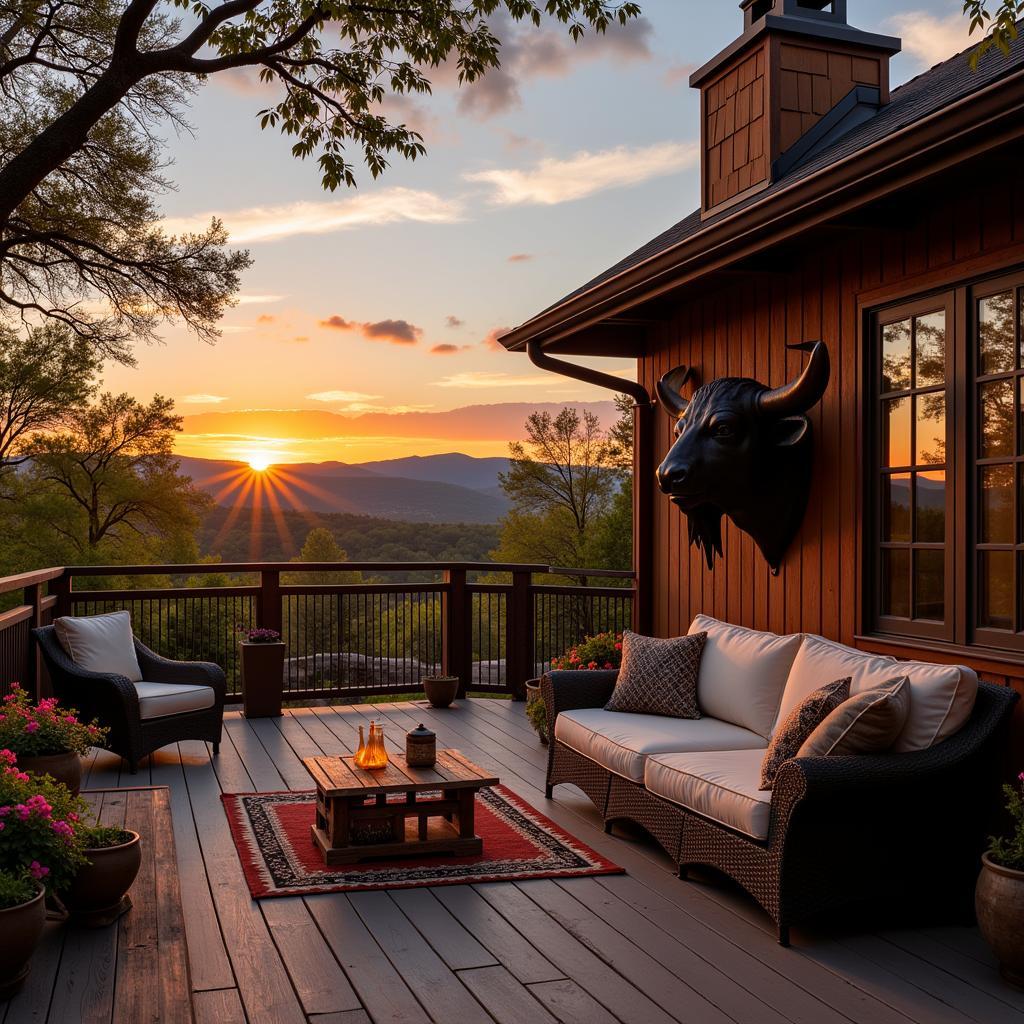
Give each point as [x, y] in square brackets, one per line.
[639, 948]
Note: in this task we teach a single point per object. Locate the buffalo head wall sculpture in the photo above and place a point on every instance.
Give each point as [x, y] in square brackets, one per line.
[743, 450]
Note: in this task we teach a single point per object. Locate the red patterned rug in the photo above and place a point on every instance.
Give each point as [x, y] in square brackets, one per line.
[272, 837]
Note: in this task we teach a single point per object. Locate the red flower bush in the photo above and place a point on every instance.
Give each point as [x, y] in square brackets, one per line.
[38, 730]
[603, 651]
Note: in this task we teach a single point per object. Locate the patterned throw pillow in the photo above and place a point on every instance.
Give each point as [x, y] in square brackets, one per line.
[791, 734]
[867, 723]
[658, 677]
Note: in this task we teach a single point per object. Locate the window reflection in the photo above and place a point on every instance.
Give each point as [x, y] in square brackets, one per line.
[931, 349]
[896, 583]
[995, 589]
[896, 432]
[997, 417]
[896, 507]
[931, 507]
[930, 585]
[896, 356]
[931, 429]
[996, 334]
[997, 517]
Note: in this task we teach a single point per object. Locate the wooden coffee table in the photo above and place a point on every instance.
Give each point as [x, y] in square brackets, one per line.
[356, 821]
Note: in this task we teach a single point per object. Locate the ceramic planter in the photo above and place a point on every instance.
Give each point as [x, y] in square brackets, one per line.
[99, 893]
[999, 902]
[441, 690]
[65, 768]
[20, 929]
[262, 679]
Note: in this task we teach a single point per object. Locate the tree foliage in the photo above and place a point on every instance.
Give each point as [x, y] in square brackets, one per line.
[999, 26]
[90, 89]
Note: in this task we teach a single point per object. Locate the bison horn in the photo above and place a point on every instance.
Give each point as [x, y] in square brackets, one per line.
[670, 386]
[806, 391]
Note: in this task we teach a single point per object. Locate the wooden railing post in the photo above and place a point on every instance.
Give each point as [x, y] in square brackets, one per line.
[643, 518]
[33, 663]
[457, 645]
[268, 603]
[519, 639]
[61, 589]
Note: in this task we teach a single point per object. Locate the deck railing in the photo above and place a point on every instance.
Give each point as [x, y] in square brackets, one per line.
[492, 625]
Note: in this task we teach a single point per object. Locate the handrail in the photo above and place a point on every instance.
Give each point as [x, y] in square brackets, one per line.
[29, 579]
[210, 568]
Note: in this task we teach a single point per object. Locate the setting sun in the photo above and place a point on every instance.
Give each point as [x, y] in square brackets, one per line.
[259, 463]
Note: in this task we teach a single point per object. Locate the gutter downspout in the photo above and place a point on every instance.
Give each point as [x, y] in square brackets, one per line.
[643, 465]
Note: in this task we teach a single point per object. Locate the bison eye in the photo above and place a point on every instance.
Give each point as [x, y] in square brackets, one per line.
[722, 430]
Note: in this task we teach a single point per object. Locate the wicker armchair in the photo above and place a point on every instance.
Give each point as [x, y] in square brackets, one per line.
[895, 834]
[114, 701]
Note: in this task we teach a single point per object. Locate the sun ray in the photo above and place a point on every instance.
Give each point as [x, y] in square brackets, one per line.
[236, 509]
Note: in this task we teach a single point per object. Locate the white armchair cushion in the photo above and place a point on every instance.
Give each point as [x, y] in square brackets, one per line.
[157, 700]
[622, 742]
[941, 696]
[743, 673]
[721, 785]
[100, 643]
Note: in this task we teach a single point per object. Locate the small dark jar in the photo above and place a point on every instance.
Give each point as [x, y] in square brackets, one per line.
[420, 748]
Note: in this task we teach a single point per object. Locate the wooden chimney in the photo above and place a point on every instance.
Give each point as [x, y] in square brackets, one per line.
[798, 77]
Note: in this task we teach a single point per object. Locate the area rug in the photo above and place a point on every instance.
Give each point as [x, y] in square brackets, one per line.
[272, 837]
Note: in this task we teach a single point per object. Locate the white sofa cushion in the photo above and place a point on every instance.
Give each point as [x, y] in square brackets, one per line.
[941, 696]
[743, 673]
[622, 742]
[720, 784]
[100, 643]
[157, 700]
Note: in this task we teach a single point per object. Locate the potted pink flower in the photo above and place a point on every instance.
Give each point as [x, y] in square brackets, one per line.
[262, 672]
[46, 738]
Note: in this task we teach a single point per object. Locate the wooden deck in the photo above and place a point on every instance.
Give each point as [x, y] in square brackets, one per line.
[644, 948]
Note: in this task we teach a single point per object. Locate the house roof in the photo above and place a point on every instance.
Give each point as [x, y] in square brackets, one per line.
[928, 94]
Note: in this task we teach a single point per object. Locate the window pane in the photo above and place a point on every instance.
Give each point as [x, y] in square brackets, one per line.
[896, 432]
[995, 589]
[930, 585]
[896, 507]
[896, 356]
[931, 508]
[931, 429]
[931, 349]
[997, 415]
[995, 334]
[896, 583]
[996, 517]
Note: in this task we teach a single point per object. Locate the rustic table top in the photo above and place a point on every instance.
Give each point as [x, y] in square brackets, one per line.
[339, 776]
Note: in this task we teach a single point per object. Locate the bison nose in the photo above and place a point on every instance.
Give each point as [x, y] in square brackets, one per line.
[671, 477]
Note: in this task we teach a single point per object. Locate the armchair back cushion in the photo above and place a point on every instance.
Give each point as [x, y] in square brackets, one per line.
[100, 643]
[743, 673]
[941, 696]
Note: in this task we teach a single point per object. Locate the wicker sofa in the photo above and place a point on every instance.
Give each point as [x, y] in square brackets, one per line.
[899, 833]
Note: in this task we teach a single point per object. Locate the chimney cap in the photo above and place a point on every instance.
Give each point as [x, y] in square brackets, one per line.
[816, 19]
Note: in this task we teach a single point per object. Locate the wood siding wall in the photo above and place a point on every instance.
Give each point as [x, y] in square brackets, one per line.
[740, 327]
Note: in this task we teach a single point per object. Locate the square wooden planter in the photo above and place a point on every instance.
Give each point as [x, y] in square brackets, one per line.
[262, 679]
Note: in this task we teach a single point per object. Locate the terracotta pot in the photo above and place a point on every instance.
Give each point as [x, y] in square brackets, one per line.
[262, 679]
[441, 690]
[20, 929]
[65, 768]
[999, 902]
[103, 882]
[532, 694]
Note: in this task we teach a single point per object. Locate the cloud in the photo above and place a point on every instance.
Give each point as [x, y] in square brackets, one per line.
[448, 350]
[341, 396]
[520, 257]
[678, 74]
[266, 318]
[491, 341]
[398, 332]
[480, 379]
[930, 40]
[551, 181]
[202, 399]
[301, 339]
[454, 322]
[272, 223]
[254, 300]
[529, 53]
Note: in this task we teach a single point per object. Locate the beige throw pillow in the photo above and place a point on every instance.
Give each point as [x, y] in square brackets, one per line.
[658, 677]
[791, 734]
[868, 723]
[100, 643]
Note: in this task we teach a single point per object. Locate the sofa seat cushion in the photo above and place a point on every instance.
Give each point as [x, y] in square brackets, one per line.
[720, 784]
[743, 673]
[622, 742]
[157, 700]
[941, 696]
[100, 643]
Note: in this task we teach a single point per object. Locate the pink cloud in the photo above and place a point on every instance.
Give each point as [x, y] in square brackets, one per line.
[520, 257]
[397, 332]
[491, 341]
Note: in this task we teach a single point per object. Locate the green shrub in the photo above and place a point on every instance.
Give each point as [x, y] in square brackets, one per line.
[603, 651]
[102, 837]
[15, 890]
[1008, 851]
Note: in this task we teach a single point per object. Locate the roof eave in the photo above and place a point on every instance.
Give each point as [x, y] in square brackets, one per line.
[973, 125]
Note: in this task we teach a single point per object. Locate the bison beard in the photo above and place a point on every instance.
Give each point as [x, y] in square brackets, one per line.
[743, 450]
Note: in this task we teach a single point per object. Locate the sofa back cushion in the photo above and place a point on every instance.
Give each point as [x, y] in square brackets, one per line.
[941, 696]
[743, 673]
[100, 643]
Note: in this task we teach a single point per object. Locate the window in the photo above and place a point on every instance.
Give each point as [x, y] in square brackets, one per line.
[947, 533]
